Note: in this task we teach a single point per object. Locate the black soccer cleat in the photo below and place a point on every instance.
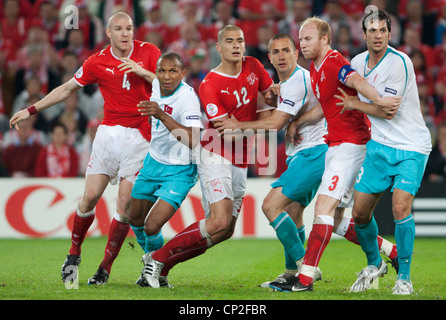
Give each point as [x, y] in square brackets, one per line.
[293, 285]
[70, 268]
[99, 278]
[394, 263]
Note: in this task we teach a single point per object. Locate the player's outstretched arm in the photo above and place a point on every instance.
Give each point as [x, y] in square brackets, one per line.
[57, 95]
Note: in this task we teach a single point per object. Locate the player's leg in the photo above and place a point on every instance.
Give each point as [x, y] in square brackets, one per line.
[117, 233]
[139, 209]
[95, 185]
[286, 230]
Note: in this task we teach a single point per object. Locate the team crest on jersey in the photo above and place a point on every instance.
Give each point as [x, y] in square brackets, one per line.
[140, 63]
[252, 78]
[79, 72]
[212, 109]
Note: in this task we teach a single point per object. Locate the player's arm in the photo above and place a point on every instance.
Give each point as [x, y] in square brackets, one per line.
[387, 104]
[353, 103]
[311, 116]
[276, 121]
[131, 66]
[57, 95]
[189, 136]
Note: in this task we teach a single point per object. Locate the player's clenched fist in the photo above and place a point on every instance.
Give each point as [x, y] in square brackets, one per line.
[150, 108]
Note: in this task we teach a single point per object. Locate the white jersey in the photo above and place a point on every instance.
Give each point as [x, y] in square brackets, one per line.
[184, 107]
[297, 97]
[394, 76]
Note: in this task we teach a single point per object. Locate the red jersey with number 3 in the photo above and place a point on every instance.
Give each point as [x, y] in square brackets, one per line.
[121, 92]
[351, 126]
[223, 95]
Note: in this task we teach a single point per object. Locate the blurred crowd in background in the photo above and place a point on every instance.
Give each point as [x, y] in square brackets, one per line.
[38, 53]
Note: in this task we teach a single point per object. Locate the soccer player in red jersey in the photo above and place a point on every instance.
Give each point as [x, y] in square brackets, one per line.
[231, 89]
[348, 133]
[124, 72]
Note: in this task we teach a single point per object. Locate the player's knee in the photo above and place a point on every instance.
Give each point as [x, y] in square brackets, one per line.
[360, 217]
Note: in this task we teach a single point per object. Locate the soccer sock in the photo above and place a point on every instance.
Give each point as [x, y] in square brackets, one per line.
[318, 240]
[289, 262]
[116, 236]
[181, 242]
[140, 236]
[405, 237]
[154, 242]
[367, 236]
[81, 224]
[347, 230]
[286, 232]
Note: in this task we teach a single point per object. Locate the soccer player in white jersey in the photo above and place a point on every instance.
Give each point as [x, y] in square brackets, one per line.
[285, 203]
[169, 171]
[396, 155]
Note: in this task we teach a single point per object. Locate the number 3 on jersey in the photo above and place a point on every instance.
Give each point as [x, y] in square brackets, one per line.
[125, 82]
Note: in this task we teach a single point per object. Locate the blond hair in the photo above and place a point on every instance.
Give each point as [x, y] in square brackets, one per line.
[322, 26]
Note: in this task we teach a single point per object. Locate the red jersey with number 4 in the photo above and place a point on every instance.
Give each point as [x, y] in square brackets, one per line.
[352, 126]
[121, 92]
[223, 95]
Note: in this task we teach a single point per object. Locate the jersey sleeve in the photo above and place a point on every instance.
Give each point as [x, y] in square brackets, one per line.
[211, 100]
[85, 75]
[191, 112]
[396, 81]
[293, 96]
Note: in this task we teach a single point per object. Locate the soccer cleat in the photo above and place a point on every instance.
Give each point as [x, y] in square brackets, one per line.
[70, 268]
[164, 283]
[403, 287]
[282, 278]
[152, 270]
[301, 287]
[367, 275]
[99, 278]
[292, 285]
[394, 263]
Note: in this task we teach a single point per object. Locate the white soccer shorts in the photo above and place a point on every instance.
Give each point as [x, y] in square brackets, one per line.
[342, 164]
[220, 179]
[118, 152]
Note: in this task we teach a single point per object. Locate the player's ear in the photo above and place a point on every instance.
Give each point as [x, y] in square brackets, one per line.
[108, 32]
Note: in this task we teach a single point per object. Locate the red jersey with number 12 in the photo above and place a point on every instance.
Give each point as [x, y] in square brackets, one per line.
[121, 92]
[223, 95]
[351, 126]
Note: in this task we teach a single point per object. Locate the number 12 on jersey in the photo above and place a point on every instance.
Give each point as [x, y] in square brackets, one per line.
[243, 100]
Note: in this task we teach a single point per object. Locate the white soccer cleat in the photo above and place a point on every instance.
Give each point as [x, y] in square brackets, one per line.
[403, 287]
[366, 277]
[152, 269]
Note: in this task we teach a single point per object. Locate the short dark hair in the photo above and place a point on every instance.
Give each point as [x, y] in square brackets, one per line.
[380, 15]
[282, 36]
[172, 56]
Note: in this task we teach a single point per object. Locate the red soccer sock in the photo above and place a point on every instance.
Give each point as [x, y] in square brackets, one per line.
[116, 236]
[184, 240]
[80, 229]
[191, 252]
[317, 242]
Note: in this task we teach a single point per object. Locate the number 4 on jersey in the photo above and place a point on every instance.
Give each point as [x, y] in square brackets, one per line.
[125, 83]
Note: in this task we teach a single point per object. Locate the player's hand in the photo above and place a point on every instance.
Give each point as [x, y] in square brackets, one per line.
[293, 133]
[389, 105]
[131, 66]
[226, 123]
[272, 94]
[17, 117]
[150, 108]
[347, 101]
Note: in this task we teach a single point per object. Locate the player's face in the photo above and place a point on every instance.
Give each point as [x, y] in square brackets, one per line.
[169, 75]
[232, 47]
[310, 41]
[283, 56]
[377, 35]
[121, 34]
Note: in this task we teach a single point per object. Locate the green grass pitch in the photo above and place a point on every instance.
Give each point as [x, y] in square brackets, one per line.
[30, 270]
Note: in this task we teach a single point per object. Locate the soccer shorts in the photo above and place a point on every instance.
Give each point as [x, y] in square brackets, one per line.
[302, 178]
[170, 183]
[220, 179]
[117, 152]
[386, 166]
[342, 164]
